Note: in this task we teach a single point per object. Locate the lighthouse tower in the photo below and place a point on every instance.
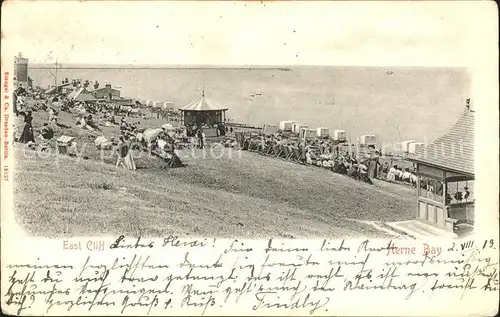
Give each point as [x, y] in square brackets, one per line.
[20, 71]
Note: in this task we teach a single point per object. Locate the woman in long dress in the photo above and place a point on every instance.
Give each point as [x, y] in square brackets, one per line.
[125, 155]
[27, 135]
[129, 158]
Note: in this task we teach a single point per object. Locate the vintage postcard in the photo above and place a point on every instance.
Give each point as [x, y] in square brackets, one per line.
[249, 158]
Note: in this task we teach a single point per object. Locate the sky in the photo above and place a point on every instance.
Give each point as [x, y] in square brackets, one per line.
[245, 33]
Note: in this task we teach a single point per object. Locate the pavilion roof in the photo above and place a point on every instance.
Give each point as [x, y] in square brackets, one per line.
[453, 151]
[203, 104]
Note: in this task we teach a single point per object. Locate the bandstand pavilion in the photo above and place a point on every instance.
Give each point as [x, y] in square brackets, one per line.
[202, 113]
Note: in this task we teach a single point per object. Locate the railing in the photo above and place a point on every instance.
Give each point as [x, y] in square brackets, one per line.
[463, 212]
[241, 125]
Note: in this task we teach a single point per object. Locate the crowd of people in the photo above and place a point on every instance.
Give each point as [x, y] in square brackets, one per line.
[220, 129]
[397, 173]
[324, 152]
[90, 116]
[161, 142]
[321, 152]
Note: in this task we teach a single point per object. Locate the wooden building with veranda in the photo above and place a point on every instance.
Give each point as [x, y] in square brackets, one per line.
[445, 177]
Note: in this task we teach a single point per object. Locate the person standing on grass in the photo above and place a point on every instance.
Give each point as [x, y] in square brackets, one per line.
[122, 150]
[27, 135]
[302, 152]
[201, 138]
[129, 158]
[373, 164]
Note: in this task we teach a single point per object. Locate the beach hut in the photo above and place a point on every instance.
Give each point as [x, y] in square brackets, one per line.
[168, 105]
[271, 129]
[339, 135]
[306, 133]
[297, 126]
[446, 177]
[286, 125]
[322, 132]
[368, 140]
[415, 146]
[405, 145]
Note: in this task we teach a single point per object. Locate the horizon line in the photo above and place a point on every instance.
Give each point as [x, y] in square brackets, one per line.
[208, 66]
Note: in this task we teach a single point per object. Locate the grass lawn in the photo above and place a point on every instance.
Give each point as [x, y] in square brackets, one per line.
[252, 196]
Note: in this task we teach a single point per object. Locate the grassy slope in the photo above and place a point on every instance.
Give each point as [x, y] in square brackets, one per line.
[222, 197]
[248, 195]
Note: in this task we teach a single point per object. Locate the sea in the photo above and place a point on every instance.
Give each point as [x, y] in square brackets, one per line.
[395, 104]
